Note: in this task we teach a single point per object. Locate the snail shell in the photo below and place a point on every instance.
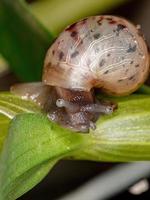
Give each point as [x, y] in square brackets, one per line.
[106, 52]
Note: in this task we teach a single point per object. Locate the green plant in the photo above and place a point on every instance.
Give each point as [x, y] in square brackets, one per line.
[30, 144]
[34, 144]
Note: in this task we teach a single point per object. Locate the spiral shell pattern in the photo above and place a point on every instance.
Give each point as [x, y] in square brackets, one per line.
[106, 52]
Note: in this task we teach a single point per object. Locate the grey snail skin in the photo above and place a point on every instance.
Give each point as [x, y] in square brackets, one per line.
[105, 52]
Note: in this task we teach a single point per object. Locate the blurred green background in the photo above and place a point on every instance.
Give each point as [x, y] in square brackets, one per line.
[27, 28]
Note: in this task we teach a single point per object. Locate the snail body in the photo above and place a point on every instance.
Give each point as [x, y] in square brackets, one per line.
[105, 52]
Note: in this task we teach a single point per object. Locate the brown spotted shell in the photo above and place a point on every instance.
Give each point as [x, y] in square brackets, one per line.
[100, 51]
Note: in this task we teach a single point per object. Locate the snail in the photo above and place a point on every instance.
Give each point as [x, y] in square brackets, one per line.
[105, 52]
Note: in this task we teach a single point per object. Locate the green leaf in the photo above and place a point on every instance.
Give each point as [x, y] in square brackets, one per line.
[34, 144]
[32, 147]
[55, 15]
[4, 121]
[23, 39]
[122, 136]
[10, 106]
[3, 66]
